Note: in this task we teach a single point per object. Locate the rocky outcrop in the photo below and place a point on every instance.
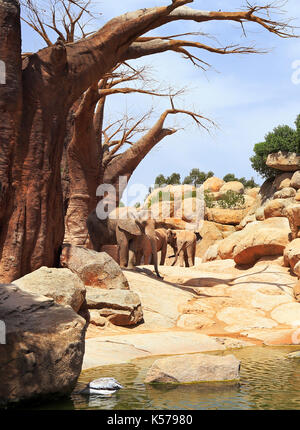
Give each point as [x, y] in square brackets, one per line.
[276, 208]
[44, 346]
[285, 193]
[292, 256]
[225, 216]
[286, 161]
[293, 214]
[267, 238]
[234, 186]
[213, 184]
[118, 306]
[257, 239]
[283, 181]
[64, 286]
[93, 268]
[295, 181]
[194, 368]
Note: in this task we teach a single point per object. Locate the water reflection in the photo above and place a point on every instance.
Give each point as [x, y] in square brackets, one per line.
[269, 380]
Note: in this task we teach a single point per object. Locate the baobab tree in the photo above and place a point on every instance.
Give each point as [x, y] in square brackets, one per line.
[38, 95]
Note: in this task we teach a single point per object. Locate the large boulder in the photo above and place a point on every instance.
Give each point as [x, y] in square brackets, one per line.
[64, 286]
[292, 256]
[235, 186]
[44, 346]
[293, 214]
[93, 268]
[190, 210]
[276, 208]
[213, 184]
[257, 239]
[285, 193]
[185, 369]
[286, 161]
[269, 237]
[252, 192]
[295, 181]
[210, 234]
[225, 216]
[283, 180]
[118, 306]
[163, 209]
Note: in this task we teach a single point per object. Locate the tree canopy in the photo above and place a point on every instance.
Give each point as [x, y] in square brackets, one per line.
[282, 138]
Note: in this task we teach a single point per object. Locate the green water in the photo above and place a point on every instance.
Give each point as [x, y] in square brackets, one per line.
[269, 380]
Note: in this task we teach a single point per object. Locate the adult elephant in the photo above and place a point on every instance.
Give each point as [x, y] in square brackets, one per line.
[121, 228]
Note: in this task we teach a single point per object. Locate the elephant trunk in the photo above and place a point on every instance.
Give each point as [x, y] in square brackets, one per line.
[150, 232]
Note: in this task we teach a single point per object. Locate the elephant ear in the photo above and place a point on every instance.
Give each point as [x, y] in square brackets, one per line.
[130, 226]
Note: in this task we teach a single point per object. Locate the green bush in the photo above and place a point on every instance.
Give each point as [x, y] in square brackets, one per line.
[282, 138]
[209, 199]
[231, 199]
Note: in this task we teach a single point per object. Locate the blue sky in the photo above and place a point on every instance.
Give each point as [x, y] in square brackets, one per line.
[247, 95]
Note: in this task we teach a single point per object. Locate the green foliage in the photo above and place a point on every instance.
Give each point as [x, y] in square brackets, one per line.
[173, 179]
[248, 183]
[282, 138]
[209, 199]
[231, 199]
[137, 205]
[121, 205]
[196, 177]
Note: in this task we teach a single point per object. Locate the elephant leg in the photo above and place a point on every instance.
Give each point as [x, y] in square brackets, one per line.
[163, 254]
[190, 255]
[182, 256]
[131, 259]
[122, 241]
[138, 257]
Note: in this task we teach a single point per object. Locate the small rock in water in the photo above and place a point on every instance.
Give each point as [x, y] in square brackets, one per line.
[102, 387]
[294, 354]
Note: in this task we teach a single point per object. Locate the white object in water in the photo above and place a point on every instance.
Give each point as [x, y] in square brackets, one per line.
[102, 386]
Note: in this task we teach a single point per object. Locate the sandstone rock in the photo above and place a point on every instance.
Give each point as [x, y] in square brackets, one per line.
[210, 234]
[113, 251]
[275, 208]
[212, 253]
[172, 223]
[93, 268]
[295, 181]
[225, 216]
[44, 346]
[293, 214]
[194, 322]
[193, 368]
[170, 193]
[96, 318]
[239, 318]
[163, 209]
[252, 192]
[260, 214]
[190, 210]
[285, 193]
[288, 313]
[118, 306]
[249, 201]
[235, 186]
[283, 181]
[292, 255]
[213, 184]
[246, 220]
[286, 161]
[296, 291]
[64, 286]
[297, 196]
[269, 237]
[197, 307]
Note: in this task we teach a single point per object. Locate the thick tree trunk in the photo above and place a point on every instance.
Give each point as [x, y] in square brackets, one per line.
[84, 168]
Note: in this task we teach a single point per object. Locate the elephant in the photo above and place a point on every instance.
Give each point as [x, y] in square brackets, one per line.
[141, 247]
[117, 229]
[183, 243]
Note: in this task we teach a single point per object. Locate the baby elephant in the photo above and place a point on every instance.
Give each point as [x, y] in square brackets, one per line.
[184, 245]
